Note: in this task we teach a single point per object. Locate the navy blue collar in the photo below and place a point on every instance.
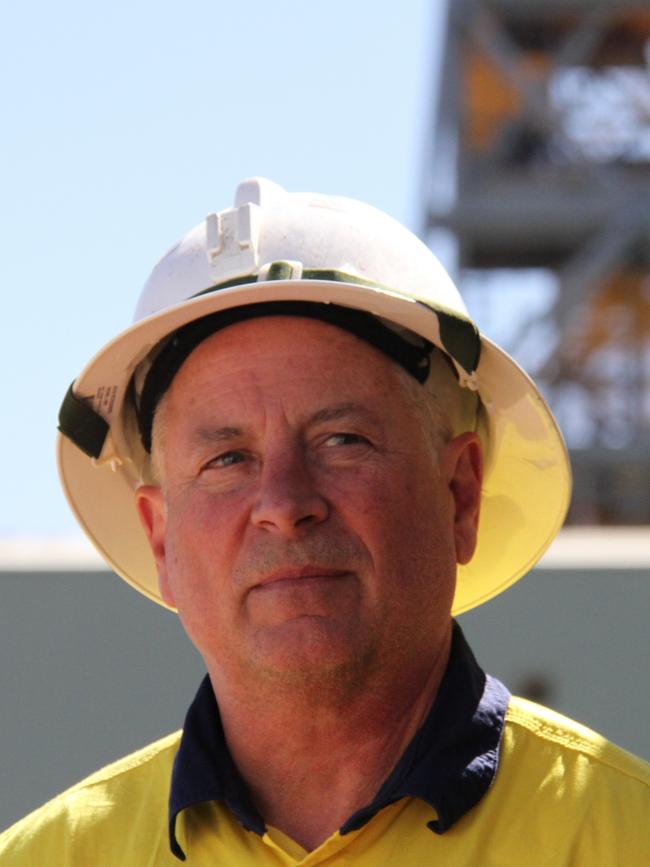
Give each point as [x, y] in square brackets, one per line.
[450, 763]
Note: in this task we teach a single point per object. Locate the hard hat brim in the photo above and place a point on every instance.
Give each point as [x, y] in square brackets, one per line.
[527, 480]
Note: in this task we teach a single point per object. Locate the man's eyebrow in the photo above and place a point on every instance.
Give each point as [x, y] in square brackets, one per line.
[207, 435]
[342, 410]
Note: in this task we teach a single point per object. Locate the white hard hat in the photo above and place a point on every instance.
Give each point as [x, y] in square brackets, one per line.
[343, 258]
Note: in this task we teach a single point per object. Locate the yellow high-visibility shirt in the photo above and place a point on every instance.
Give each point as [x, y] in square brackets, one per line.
[487, 781]
[562, 797]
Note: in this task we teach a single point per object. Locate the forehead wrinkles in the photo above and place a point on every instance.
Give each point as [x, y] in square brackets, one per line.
[282, 336]
[259, 360]
[269, 357]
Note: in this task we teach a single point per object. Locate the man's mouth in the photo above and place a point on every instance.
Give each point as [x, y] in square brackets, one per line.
[293, 574]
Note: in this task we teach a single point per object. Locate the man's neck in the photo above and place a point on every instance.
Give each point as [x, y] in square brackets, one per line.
[310, 760]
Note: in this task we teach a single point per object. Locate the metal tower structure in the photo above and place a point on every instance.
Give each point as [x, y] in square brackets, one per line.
[538, 169]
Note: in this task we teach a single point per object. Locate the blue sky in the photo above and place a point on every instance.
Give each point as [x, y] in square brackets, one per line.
[125, 123]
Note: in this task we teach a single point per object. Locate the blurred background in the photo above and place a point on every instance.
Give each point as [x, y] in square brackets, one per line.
[536, 179]
[514, 137]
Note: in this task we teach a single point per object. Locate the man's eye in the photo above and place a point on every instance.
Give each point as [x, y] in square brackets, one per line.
[227, 459]
[345, 439]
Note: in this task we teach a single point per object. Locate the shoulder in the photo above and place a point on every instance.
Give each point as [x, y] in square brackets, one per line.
[572, 794]
[125, 801]
[544, 732]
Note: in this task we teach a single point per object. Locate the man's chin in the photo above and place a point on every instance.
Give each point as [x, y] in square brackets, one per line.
[311, 652]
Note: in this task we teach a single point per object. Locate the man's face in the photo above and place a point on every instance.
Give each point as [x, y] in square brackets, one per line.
[308, 526]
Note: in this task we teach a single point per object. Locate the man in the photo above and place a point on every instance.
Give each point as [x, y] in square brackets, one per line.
[292, 447]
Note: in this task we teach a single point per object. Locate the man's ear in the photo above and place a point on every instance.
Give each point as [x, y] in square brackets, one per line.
[464, 461]
[150, 503]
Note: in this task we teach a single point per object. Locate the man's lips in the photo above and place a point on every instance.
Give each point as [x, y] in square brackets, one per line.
[290, 575]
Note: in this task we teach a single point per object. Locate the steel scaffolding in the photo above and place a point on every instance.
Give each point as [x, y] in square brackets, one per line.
[537, 171]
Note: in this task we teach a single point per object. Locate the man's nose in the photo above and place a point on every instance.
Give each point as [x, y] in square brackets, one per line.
[287, 498]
